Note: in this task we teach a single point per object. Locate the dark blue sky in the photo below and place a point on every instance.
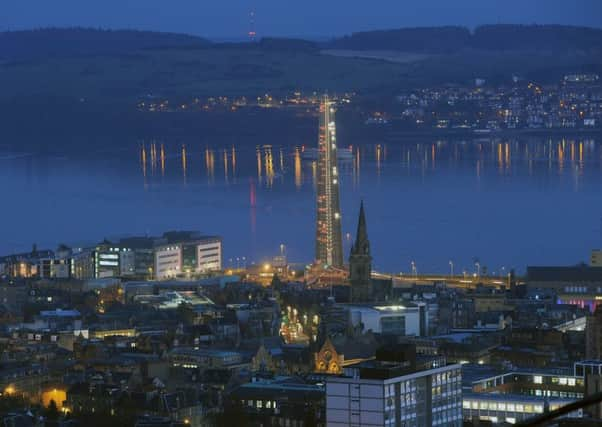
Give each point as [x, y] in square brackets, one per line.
[230, 18]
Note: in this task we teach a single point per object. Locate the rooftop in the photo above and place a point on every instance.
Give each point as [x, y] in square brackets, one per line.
[579, 273]
[518, 398]
[384, 370]
[60, 313]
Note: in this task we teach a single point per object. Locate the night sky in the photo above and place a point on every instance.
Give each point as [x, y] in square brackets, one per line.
[230, 18]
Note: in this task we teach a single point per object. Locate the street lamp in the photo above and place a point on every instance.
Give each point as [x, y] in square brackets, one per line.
[451, 268]
[478, 266]
[414, 271]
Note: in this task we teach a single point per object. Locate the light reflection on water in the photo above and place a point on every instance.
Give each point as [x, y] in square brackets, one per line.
[507, 203]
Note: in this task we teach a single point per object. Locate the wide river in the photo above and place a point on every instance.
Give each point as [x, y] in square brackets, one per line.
[506, 203]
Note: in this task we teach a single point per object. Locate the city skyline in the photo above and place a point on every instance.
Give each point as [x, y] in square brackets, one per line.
[391, 228]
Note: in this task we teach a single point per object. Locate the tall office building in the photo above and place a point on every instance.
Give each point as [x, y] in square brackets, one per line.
[329, 245]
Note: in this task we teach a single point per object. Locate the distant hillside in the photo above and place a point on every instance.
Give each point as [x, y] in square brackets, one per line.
[421, 40]
[275, 43]
[61, 42]
[536, 37]
[551, 38]
[96, 69]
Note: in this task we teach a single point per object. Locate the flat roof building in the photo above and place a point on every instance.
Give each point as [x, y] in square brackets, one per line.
[384, 393]
[398, 319]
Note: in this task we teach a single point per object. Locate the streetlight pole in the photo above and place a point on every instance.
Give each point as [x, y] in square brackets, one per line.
[451, 269]
[478, 266]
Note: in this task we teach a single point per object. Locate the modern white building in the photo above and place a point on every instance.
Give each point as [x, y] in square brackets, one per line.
[168, 261]
[388, 394]
[209, 255]
[188, 257]
[405, 320]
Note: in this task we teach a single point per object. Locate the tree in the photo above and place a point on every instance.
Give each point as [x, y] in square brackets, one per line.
[51, 415]
[276, 282]
[186, 313]
[232, 416]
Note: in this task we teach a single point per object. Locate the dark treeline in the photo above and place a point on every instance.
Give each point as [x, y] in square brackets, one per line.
[52, 42]
[487, 37]
[272, 43]
[423, 40]
[536, 37]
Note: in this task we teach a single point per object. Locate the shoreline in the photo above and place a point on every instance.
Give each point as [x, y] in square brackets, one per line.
[390, 133]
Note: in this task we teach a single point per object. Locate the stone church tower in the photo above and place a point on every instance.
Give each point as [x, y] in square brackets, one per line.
[360, 263]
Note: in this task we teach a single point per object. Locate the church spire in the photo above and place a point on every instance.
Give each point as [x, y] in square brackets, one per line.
[362, 244]
[360, 263]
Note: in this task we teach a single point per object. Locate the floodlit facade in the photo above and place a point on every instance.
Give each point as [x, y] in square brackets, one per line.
[168, 261]
[400, 320]
[329, 244]
[209, 255]
[198, 256]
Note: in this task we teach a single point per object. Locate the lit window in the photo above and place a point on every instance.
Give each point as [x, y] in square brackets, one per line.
[538, 379]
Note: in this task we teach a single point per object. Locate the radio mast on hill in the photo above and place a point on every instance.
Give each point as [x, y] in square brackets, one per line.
[252, 33]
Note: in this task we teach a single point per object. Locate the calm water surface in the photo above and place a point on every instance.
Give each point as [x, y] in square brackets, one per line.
[505, 203]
